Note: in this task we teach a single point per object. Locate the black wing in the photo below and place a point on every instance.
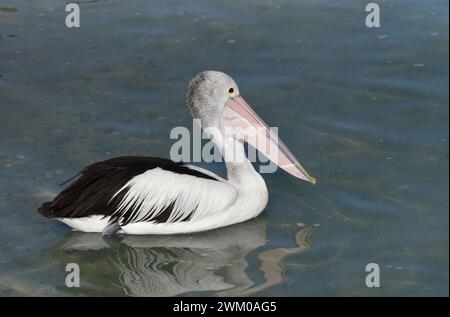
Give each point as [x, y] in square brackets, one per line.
[92, 193]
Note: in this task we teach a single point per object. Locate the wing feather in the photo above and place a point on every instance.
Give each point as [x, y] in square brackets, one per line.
[91, 192]
[150, 194]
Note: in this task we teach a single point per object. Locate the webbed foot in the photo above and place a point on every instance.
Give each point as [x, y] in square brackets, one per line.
[110, 229]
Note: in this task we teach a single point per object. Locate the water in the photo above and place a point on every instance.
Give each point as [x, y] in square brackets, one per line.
[365, 110]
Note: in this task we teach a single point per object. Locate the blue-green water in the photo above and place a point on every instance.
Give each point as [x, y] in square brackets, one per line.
[365, 110]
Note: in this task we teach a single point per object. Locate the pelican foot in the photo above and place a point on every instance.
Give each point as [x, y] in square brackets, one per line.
[110, 229]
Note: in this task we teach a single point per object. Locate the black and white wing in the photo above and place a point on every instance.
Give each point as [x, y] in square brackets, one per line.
[142, 189]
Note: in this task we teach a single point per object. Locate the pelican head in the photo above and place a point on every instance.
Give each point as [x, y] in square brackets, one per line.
[214, 99]
[208, 94]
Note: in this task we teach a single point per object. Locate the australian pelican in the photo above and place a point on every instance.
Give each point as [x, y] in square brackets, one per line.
[148, 195]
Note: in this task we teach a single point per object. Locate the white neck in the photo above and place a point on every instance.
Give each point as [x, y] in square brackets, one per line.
[239, 168]
[253, 194]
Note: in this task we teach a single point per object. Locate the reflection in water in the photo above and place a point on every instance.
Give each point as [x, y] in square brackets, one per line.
[173, 265]
[271, 261]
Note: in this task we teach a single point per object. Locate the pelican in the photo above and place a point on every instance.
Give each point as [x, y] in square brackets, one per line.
[149, 195]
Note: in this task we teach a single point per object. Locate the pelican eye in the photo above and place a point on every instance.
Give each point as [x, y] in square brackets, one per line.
[231, 90]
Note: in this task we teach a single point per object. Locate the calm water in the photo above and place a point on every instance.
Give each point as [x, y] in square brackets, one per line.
[365, 110]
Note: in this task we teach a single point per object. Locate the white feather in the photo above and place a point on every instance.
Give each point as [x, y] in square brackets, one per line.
[150, 193]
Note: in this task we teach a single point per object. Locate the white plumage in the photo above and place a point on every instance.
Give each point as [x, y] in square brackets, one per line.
[213, 204]
[150, 193]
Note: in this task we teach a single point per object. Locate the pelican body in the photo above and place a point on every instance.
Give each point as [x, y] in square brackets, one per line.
[148, 195]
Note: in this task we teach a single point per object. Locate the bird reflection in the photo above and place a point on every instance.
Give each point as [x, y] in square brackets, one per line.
[214, 261]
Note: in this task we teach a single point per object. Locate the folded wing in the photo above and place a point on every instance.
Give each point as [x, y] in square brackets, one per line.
[136, 189]
[171, 197]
